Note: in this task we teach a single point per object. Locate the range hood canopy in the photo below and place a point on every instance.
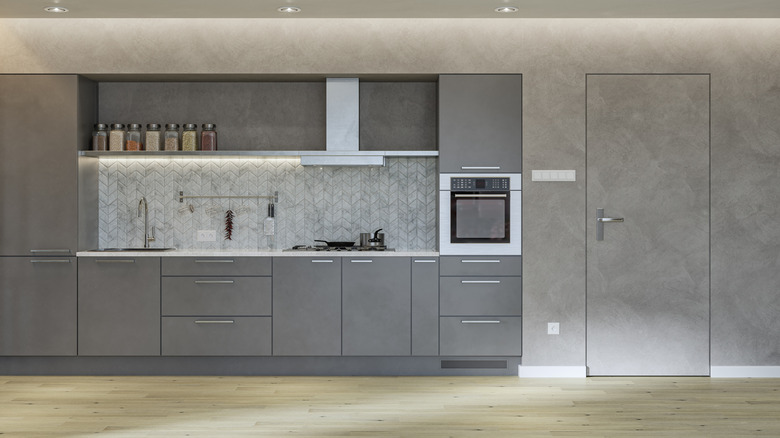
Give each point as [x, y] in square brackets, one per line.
[342, 127]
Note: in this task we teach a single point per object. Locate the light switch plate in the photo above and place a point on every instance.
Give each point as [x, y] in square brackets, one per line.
[554, 175]
[553, 328]
[207, 236]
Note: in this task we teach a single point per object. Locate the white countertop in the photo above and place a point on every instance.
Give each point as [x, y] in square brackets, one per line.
[254, 253]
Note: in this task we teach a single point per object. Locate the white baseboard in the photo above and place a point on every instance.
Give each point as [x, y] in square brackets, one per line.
[551, 371]
[745, 372]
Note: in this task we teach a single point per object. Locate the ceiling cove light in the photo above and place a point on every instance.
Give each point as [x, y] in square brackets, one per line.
[56, 9]
[506, 9]
[289, 9]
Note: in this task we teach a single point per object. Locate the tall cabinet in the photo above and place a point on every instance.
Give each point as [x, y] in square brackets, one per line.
[43, 121]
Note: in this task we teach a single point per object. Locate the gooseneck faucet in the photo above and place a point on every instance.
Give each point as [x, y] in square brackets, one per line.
[143, 208]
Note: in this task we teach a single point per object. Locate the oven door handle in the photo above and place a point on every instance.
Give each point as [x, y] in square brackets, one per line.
[458, 195]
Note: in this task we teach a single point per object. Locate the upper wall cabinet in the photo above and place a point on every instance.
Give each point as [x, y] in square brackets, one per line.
[43, 121]
[480, 123]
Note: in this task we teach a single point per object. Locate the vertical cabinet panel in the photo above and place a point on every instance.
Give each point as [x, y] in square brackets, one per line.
[119, 306]
[37, 306]
[376, 306]
[425, 306]
[307, 306]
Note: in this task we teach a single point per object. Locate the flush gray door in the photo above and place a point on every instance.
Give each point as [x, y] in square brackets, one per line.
[648, 279]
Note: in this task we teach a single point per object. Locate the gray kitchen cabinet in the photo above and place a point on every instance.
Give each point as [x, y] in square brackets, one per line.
[483, 336]
[119, 306]
[376, 306]
[425, 306]
[215, 296]
[210, 336]
[37, 306]
[480, 123]
[43, 121]
[307, 306]
[216, 266]
[490, 295]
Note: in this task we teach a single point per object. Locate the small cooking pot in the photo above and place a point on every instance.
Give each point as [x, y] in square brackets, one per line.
[378, 239]
[336, 244]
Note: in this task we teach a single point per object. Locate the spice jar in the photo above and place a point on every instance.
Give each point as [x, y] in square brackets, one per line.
[172, 137]
[116, 138]
[208, 137]
[100, 137]
[152, 137]
[189, 137]
[133, 138]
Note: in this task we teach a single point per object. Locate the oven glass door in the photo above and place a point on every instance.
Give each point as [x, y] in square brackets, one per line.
[479, 217]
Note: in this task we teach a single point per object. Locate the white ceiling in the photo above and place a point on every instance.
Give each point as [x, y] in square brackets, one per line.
[394, 8]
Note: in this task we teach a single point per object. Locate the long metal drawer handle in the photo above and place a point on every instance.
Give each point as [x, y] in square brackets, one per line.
[214, 281]
[362, 261]
[115, 261]
[226, 321]
[50, 261]
[425, 261]
[458, 195]
[488, 321]
[480, 281]
[480, 261]
[322, 261]
[35, 251]
[480, 167]
[214, 261]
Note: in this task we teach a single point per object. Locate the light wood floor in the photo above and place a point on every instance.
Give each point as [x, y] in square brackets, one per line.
[387, 406]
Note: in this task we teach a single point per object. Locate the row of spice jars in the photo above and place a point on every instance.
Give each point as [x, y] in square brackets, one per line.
[119, 139]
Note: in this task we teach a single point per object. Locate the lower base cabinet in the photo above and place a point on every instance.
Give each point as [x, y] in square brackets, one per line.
[481, 336]
[216, 336]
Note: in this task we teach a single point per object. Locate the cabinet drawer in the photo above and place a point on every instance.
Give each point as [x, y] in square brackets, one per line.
[216, 266]
[481, 265]
[208, 336]
[216, 296]
[481, 295]
[482, 336]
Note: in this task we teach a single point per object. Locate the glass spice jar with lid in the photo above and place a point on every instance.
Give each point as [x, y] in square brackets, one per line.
[100, 137]
[116, 138]
[189, 137]
[172, 137]
[208, 137]
[133, 138]
[152, 137]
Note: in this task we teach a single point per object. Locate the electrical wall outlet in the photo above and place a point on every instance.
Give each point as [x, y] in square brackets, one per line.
[553, 328]
[207, 235]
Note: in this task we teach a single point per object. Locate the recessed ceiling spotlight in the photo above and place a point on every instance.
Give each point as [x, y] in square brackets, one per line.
[289, 9]
[56, 9]
[506, 9]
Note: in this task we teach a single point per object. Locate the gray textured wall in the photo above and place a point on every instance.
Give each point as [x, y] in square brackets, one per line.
[554, 56]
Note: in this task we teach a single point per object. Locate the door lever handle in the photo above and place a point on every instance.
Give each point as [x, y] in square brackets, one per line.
[601, 220]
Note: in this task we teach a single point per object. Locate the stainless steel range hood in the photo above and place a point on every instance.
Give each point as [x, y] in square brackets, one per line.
[342, 115]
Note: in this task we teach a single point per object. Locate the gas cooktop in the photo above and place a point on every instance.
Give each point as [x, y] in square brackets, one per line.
[338, 248]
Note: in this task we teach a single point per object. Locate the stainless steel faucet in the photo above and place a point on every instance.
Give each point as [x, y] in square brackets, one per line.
[145, 206]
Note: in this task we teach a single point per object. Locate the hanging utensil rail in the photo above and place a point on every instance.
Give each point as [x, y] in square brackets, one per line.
[275, 197]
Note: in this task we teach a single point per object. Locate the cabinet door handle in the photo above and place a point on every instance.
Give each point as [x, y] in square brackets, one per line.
[480, 261]
[50, 261]
[36, 251]
[425, 261]
[480, 282]
[361, 261]
[214, 281]
[321, 261]
[480, 167]
[222, 321]
[485, 321]
[115, 261]
[214, 261]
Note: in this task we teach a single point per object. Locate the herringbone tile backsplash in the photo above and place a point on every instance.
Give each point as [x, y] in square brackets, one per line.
[329, 203]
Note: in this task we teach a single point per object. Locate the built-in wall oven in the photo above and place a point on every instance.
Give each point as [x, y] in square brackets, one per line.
[480, 214]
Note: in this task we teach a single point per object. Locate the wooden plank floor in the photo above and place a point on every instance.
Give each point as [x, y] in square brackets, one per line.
[387, 407]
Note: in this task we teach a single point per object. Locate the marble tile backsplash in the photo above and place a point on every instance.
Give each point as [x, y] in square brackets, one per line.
[330, 203]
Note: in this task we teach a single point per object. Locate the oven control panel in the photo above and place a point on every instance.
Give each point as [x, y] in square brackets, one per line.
[494, 184]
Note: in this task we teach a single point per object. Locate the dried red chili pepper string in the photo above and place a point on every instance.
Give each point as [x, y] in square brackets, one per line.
[229, 215]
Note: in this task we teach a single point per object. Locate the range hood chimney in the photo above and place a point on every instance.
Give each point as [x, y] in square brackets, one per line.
[342, 115]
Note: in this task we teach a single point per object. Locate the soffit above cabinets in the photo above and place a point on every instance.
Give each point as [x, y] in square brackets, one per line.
[394, 9]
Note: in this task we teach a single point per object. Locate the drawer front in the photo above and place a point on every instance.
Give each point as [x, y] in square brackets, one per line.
[481, 296]
[481, 265]
[216, 296]
[216, 266]
[208, 336]
[483, 336]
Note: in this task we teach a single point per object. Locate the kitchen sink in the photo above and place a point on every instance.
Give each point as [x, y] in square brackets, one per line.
[130, 249]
